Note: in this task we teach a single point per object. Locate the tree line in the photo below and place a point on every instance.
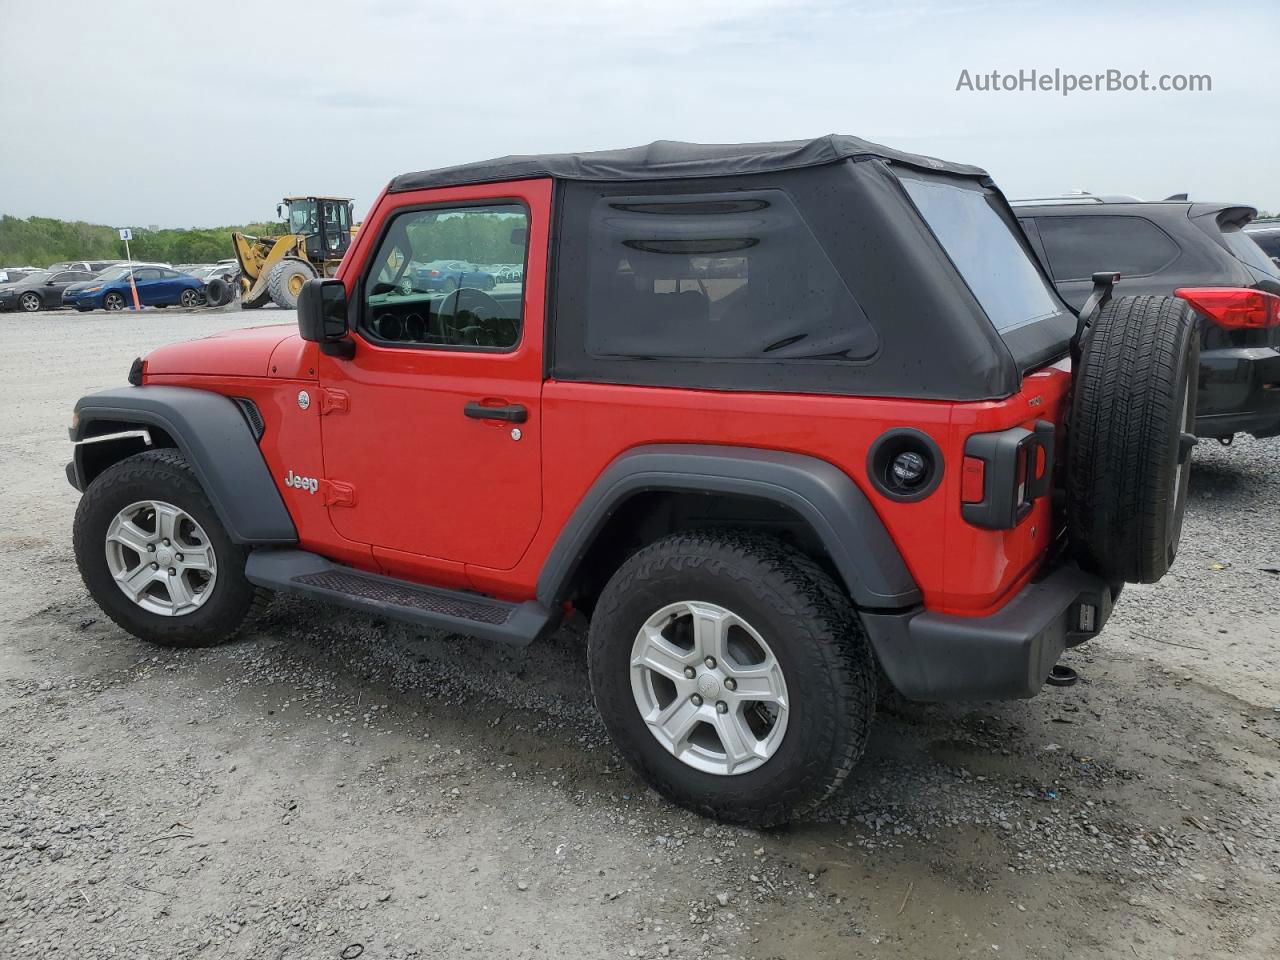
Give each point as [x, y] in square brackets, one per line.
[40, 241]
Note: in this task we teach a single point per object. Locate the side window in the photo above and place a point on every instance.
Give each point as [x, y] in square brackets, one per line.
[146, 273]
[449, 277]
[1079, 247]
[65, 277]
[731, 276]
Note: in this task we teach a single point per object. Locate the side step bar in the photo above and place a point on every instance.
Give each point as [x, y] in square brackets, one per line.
[297, 571]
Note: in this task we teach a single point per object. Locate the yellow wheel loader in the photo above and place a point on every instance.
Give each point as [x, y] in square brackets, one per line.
[273, 269]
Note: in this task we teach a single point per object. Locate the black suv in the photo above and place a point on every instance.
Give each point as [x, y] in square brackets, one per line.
[1162, 246]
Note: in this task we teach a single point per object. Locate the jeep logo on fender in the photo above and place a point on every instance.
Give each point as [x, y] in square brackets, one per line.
[309, 484]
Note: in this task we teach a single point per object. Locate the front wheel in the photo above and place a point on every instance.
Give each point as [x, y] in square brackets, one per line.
[733, 674]
[113, 301]
[155, 556]
[190, 298]
[30, 302]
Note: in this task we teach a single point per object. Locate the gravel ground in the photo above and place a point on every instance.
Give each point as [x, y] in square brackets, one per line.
[335, 786]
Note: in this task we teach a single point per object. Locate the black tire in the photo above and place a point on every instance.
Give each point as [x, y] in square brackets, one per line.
[189, 298]
[113, 301]
[30, 302]
[217, 292]
[282, 282]
[1132, 428]
[163, 475]
[813, 632]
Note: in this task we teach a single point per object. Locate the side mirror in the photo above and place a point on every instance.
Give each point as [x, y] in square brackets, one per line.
[322, 316]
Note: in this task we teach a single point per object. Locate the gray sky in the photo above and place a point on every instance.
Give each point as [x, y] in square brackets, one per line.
[182, 114]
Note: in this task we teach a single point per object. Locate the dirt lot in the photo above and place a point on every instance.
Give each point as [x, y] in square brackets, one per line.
[334, 786]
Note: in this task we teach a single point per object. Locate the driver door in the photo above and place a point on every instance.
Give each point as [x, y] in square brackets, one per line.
[432, 433]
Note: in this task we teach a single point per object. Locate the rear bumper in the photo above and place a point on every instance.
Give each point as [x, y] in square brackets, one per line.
[1239, 392]
[1005, 656]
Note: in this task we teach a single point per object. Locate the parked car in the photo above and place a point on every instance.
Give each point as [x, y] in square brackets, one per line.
[157, 287]
[1162, 246]
[449, 275]
[207, 271]
[40, 290]
[14, 274]
[1266, 234]
[89, 266]
[762, 488]
[72, 293]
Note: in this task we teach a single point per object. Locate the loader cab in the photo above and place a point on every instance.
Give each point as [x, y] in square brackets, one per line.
[324, 222]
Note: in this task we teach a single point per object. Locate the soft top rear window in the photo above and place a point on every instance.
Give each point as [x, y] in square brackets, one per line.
[993, 262]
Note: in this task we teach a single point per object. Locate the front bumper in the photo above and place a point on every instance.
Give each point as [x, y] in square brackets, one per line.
[1239, 392]
[1004, 656]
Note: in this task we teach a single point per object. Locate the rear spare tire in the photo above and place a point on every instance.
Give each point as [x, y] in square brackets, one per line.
[285, 281]
[1131, 433]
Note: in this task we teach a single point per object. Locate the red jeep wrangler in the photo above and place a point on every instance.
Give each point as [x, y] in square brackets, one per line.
[777, 417]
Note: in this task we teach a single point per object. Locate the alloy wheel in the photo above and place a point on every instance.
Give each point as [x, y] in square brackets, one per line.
[160, 558]
[113, 301]
[709, 688]
[30, 302]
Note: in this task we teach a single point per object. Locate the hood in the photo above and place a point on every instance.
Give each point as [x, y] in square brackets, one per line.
[235, 353]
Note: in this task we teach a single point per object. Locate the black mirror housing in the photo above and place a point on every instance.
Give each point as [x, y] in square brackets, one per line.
[322, 311]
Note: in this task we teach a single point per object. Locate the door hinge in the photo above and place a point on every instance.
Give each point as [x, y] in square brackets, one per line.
[338, 494]
[334, 401]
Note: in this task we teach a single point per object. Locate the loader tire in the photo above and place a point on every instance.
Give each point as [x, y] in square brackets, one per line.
[1131, 433]
[285, 281]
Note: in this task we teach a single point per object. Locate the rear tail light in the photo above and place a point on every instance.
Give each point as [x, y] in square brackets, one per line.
[1234, 309]
[1004, 474]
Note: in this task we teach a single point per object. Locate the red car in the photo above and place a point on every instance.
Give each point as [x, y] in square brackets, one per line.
[783, 420]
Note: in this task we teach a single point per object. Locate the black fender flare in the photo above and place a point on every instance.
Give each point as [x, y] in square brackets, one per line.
[821, 493]
[217, 441]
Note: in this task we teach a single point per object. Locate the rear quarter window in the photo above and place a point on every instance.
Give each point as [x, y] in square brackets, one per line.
[728, 276]
[998, 269]
[1077, 247]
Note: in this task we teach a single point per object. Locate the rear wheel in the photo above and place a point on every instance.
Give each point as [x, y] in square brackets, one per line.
[30, 302]
[732, 674]
[155, 557]
[113, 301]
[1131, 434]
[285, 281]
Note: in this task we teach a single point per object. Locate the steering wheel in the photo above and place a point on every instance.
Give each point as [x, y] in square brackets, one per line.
[470, 316]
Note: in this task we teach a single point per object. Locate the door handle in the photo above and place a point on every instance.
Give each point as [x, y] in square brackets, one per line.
[511, 413]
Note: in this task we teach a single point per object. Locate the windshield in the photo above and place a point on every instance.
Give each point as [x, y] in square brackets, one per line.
[37, 276]
[302, 216]
[984, 248]
[115, 273]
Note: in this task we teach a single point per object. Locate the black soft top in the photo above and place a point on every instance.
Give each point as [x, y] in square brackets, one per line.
[673, 160]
